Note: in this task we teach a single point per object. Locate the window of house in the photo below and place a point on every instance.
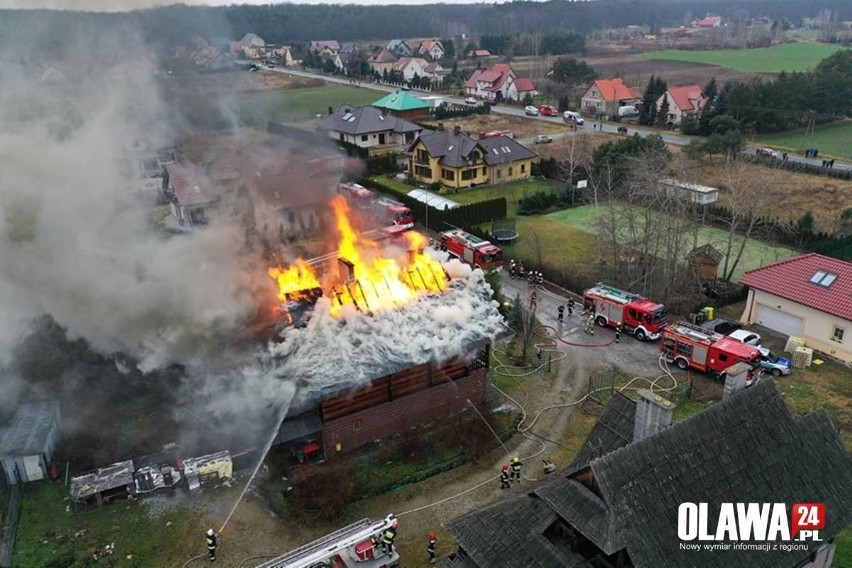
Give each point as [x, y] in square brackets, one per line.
[484, 171]
[423, 171]
[510, 171]
[838, 334]
[342, 137]
[291, 216]
[448, 175]
[823, 278]
[468, 174]
[423, 156]
[523, 168]
[356, 426]
[364, 138]
[499, 174]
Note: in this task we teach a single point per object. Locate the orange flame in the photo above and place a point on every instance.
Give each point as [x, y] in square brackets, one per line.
[374, 282]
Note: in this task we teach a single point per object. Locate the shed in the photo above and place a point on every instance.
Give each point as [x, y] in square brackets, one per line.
[27, 448]
[704, 262]
[432, 199]
[695, 193]
[110, 480]
[212, 468]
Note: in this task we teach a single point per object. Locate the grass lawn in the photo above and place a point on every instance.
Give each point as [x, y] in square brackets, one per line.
[51, 534]
[755, 255]
[831, 140]
[511, 191]
[786, 57]
[257, 108]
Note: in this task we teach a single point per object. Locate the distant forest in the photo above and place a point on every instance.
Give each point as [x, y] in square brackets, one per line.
[287, 23]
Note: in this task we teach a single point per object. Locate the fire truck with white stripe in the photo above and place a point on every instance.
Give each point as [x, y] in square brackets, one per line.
[350, 547]
[691, 346]
[472, 250]
[637, 315]
[386, 211]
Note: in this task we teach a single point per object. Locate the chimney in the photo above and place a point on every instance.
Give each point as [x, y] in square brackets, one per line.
[457, 129]
[736, 377]
[440, 127]
[330, 110]
[345, 270]
[653, 413]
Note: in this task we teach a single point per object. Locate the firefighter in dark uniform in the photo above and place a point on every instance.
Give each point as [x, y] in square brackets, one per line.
[504, 477]
[388, 536]
[570, 306]
[212, 543]
[433, 544]
[561, 310]
[516, 469]
[617, 333]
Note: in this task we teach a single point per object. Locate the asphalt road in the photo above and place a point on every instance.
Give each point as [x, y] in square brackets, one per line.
[668, 137]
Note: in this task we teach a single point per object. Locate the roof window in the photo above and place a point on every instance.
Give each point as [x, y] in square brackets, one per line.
[823, 278]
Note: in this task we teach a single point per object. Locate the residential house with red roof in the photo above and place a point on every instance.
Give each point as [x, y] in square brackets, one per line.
[477, 53]
[497, 83]
[283, 55]
[327, 47]
[708, 22]
[190, 194]
[808, 296]
[431, 48]
[606, 96]
[684, 100]
[381, 61]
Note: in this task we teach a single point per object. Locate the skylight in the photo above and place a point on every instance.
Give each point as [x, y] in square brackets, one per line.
[347, 116]
[823, 278]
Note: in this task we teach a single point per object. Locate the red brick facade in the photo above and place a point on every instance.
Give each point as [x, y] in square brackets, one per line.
[399, 412]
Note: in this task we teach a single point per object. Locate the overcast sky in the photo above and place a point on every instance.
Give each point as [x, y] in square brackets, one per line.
[122, 5]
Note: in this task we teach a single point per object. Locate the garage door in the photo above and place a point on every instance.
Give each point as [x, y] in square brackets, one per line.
[778, 320]
[33, 467]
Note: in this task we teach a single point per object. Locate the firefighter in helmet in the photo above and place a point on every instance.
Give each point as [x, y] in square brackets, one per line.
[388, 536]
[433, 544]
[504, 476]
[516, 469]
[212, 543]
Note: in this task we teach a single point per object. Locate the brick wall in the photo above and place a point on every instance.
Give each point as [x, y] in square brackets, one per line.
[383, 420]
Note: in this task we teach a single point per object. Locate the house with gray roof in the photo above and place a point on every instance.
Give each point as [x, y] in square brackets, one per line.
[399, 48]
[30, 441]
[457, 161]
[616, 505]
[368, 127]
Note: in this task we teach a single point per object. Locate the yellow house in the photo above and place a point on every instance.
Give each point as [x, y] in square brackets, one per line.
[458, 161]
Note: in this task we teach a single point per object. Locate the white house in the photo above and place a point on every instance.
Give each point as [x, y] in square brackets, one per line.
[496, 84]
[368, 127]
[408, 67]
[808, 296]
[431, 48]
[684, 100]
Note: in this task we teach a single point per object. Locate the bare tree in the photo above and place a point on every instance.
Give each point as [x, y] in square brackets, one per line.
[746, 190]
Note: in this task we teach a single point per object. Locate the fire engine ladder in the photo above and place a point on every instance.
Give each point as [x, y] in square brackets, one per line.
[325, 547]
[694, 331]
[618, 293]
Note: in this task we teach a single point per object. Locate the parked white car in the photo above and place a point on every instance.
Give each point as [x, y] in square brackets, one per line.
[530, 110]
[470, 101]
[745, 336]
[768, 152]
[542, 139]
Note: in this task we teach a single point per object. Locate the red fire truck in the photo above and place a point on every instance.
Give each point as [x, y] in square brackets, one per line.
[637, 315]
[692, 346]
[387, 211]
[472, 250]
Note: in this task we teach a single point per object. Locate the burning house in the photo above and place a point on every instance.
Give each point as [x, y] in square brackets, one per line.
[380, 338]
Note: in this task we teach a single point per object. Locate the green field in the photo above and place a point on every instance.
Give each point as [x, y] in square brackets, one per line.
[259, 107]
[786, 57]
[755, 255]
[832, 140]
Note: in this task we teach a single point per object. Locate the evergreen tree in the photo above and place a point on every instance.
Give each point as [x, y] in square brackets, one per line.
[655, 89]
[563, 103]
[662, 118]
[449, 48]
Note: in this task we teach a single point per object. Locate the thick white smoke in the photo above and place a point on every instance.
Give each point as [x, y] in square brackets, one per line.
[360, 347]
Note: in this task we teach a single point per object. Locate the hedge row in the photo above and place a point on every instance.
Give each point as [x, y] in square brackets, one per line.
[464, 216]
